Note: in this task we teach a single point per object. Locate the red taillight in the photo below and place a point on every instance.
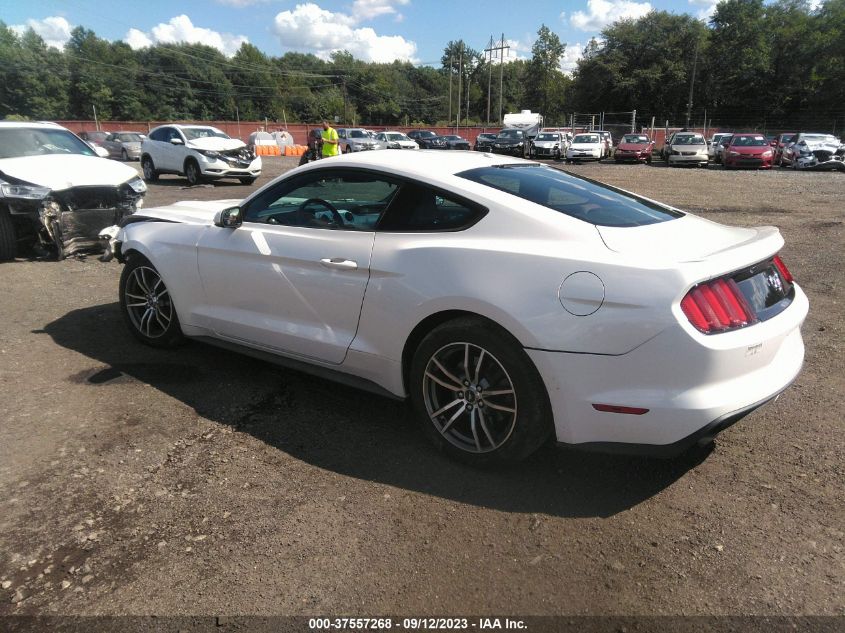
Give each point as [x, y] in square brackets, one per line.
[784, 271]
[717, 306]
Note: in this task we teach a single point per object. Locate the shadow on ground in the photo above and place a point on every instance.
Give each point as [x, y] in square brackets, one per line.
[352, 432]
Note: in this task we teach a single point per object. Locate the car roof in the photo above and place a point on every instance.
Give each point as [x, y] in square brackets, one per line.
[424, 163]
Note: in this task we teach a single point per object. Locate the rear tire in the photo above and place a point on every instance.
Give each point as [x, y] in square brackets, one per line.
[491, 410]
[124, 156]
[145, 303]
[8, 236]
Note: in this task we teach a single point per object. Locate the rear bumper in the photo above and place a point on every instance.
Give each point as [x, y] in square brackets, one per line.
[693, 385]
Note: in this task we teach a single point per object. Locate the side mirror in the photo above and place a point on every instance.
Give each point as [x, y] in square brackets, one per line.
[228, 218]
[177, 141]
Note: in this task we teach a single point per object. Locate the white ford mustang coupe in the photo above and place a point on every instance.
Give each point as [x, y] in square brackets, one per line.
[509, 301]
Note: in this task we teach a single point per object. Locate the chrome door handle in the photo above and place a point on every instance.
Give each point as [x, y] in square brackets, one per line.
[340, 263]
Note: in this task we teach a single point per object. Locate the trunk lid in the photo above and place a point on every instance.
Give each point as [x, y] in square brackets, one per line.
[692, 239]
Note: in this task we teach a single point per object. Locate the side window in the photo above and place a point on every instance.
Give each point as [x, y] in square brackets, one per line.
[158, 135]
[419, 208]
[326, 199]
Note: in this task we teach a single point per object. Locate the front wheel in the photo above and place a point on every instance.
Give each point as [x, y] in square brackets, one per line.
[124, 156]
[147, 166]
[477, 395]
[147, 306]
[8, 237]
[192, 173]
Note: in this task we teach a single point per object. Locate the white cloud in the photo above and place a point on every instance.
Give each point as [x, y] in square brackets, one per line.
[181, 29]
[137, 39]
[369, 9]
[569, 61]
[308, 27]
[705, 8]
[604, 12]
[239, 4]
[54, 30]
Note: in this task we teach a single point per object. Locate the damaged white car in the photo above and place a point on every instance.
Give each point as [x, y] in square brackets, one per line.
[816, 152]
[56, 194]
[198, 152]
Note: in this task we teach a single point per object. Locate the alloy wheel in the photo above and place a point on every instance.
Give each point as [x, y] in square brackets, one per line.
[469, 397]
[148, 302]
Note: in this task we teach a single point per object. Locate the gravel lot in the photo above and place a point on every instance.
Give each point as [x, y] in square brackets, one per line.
[136, 481]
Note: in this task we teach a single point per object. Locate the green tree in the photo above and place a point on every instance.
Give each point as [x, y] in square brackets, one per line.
[544, 82]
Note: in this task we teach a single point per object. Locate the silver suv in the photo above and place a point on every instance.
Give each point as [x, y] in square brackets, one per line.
[355, 139]
[198, 152]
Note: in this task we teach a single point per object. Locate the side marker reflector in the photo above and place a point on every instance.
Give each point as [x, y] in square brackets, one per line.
[613, 408]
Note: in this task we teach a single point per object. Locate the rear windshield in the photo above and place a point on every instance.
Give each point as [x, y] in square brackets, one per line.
[571, 195]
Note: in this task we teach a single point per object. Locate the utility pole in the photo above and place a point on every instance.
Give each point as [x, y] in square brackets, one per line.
[489, 50]
[501, 48]
[469, 83]
[633, 121]
[460, 74]
[345, 115]
[449, 120]
[691, 84]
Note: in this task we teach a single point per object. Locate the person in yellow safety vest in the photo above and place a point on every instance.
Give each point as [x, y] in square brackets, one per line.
[330, 142]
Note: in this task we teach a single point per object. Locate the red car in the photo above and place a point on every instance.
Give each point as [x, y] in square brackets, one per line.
[781, 141]
[748, 150]
[634, 147]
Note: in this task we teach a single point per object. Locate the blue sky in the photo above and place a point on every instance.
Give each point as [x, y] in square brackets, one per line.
[374, 30]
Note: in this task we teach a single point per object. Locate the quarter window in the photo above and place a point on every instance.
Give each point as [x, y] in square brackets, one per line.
[420, 208]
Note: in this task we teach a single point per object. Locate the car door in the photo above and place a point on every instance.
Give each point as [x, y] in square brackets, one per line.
[291, 278]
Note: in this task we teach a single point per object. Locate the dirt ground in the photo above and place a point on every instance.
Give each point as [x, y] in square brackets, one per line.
[137, 481]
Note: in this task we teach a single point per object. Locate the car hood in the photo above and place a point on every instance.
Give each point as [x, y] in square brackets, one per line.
[508, 141]
[216, 143]
[632, 147]
[585, 146]
[689, 148]
[686, 239]
[190, 211]
[63, 171]
[816, 145]
[546, 143]
[750, 149]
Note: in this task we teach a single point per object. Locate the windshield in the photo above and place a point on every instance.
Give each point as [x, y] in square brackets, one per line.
[128, 137]
[635, 138]
[510, 134]
[547, 137]
[745, 140]
[192, 133]
[571, 195]
[426, 134]
[26, 141]
[586, 138]
[397, 137]
[725, 140]
[688, 139]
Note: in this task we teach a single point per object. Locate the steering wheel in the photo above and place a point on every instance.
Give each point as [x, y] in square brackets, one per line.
[336, 217]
